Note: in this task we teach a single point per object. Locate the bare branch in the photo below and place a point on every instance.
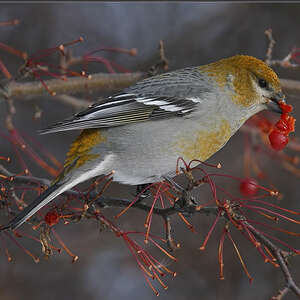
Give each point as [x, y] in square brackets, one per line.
[72, 101]
[166, 213]
[271, 45]
[286, 62]
[278, 254]
[99, 81]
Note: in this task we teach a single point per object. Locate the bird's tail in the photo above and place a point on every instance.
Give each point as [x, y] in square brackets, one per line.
[60, 185]
[48, 195]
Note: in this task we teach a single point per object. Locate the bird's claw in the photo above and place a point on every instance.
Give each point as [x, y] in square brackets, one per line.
[175, 185]
[142, 192]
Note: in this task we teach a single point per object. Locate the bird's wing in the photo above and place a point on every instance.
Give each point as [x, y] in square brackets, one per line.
[153, 98]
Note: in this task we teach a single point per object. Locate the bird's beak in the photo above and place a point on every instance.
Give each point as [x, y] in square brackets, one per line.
[273, 103]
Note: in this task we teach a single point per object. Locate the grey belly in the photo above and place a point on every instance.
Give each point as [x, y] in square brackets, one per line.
[145, 151]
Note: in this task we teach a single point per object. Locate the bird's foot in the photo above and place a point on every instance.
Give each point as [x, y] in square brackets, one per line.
[142, 192]
[186, 198]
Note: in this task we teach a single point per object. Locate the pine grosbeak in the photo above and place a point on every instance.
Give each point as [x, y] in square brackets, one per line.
[140, 133]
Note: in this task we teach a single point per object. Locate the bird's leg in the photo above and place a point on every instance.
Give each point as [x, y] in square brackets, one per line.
[186, 199]
[142, 192]
[178, 188]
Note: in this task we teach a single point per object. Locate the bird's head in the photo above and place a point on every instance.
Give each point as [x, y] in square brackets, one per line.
[251, 83]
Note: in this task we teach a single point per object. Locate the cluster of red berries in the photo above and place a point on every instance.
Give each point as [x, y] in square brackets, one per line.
[279, 135]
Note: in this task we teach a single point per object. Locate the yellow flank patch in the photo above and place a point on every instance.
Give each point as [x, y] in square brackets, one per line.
[206, 143]
[243, 68]
[82, 145]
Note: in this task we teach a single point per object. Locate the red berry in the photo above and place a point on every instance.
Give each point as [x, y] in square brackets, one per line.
[278, 140]
[282, 125]
[286, 108]
[249, 187]
[51, 218]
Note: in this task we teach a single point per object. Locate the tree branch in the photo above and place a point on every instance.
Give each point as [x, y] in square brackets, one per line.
[98, 81]
[166, 213]
[278, 254]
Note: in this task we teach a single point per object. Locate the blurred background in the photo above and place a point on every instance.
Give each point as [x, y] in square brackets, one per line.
[193, 34]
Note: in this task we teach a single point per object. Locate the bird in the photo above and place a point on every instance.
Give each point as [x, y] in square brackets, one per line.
[138, 134]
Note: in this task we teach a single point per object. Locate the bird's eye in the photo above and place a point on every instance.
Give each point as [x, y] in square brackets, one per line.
[262, 83]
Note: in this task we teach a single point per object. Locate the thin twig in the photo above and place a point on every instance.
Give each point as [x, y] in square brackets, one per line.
[171, 243]
[162, 64]
[286, 61]
[271, 45]
[281, 294]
